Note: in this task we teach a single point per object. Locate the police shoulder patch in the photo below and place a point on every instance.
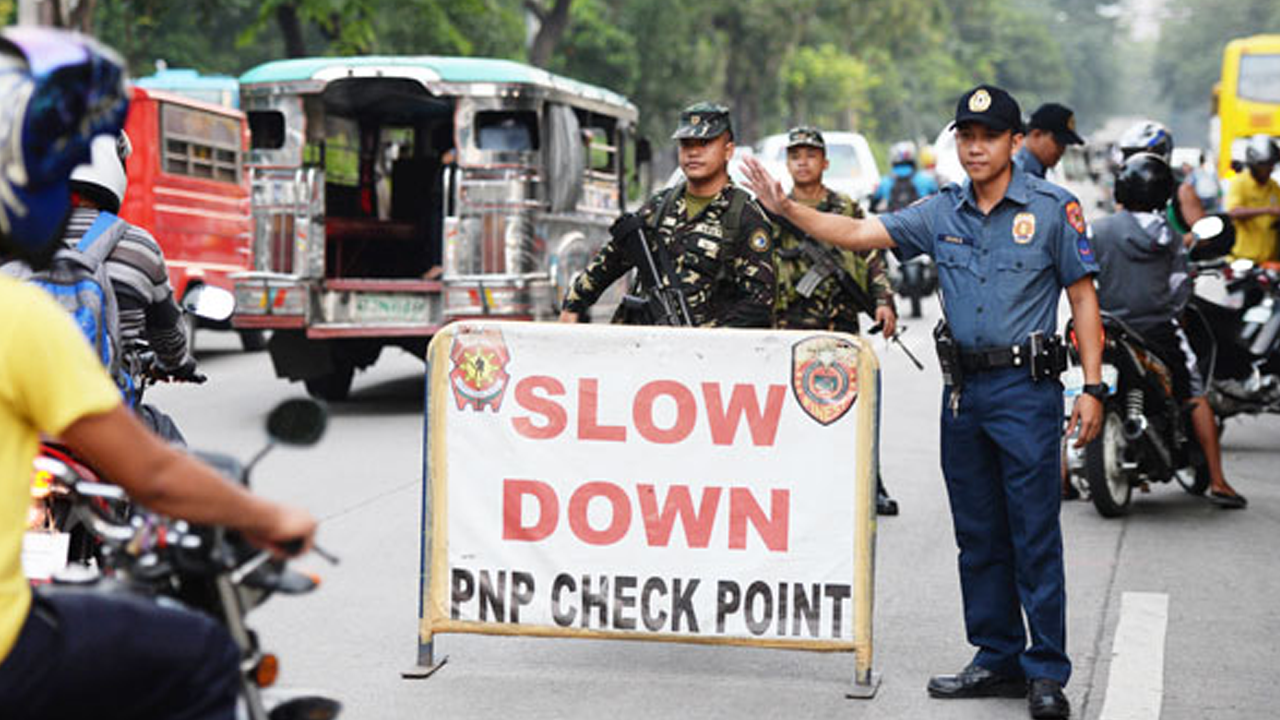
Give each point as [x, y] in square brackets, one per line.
[1085, 249]
[1075, 216]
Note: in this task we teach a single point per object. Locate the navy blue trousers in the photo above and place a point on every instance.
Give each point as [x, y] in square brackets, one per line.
[1001, 461]
[90, 655]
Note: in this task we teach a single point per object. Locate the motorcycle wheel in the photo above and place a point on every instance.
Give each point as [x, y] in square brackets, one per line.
[1109, 488]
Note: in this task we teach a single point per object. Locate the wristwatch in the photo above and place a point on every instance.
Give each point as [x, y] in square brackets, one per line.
[1097, 390]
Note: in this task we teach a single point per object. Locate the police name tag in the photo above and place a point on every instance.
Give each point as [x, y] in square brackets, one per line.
[712, 249]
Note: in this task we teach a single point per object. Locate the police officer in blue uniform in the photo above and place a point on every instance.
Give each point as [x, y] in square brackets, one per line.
[1006, 243]
[1051, 129]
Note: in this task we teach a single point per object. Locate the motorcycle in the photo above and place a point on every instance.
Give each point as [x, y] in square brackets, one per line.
[57, 529]
[207, 569]
[915, 279]
[1146, 434]
[1240, 346]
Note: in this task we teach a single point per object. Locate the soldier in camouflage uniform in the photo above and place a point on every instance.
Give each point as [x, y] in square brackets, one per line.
[827, 306]
[719, 241]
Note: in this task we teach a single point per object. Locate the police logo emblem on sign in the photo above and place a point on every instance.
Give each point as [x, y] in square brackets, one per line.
[1024, 228]
[824, 376]
[1075, 216]
[479, 377]
[979, 101]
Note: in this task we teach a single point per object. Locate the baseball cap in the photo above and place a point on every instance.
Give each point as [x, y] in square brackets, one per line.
[703, 120]
[990, 106]
[805, 136]
[1057, 119]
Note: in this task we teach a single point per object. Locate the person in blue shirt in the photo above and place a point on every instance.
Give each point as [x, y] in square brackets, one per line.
[905, 183]
[1006, 244]
[1051, 129]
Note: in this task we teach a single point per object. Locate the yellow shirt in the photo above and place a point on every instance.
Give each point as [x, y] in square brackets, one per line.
[1255, 237]
[49, 378]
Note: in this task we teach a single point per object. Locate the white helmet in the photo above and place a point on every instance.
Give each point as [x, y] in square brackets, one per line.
[103, 180]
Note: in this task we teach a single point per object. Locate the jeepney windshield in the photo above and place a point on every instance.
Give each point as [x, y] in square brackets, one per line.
[507, 130]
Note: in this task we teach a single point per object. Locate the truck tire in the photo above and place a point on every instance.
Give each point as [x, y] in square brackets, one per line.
[1109, 488]
[334, 386]
[253, 340]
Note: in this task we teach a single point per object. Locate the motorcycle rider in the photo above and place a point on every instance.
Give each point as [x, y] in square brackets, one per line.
[150, 317]
[1253, 202]
[1143, 281]
[904, 184]
[1185, 208]
[86, 654]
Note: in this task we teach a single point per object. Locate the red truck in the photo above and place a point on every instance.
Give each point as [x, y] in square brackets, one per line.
[189, 188]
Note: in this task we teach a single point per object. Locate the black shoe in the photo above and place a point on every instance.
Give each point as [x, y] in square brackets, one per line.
[1046, 701]
[1233, 501]
[976, 681]
[886, 505]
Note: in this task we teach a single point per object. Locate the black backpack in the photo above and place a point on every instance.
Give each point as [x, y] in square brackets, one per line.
[903, 192]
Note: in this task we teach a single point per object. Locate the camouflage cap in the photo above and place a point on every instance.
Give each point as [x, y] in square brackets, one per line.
[805, 136]
[704, 120]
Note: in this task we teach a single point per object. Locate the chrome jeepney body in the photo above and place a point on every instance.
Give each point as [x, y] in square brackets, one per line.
[395, 194]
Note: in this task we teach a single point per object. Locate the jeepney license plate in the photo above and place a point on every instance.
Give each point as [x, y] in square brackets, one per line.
[398, 307]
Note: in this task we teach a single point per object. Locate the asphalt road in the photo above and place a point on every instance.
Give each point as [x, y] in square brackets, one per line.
[1217, 572]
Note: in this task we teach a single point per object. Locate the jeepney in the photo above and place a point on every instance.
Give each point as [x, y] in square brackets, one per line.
[392, 195]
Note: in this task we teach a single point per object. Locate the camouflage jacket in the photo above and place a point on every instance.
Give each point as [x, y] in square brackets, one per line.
[727, 281]
[828, 307]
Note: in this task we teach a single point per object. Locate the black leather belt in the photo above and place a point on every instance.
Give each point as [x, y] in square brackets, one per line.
[995, 358]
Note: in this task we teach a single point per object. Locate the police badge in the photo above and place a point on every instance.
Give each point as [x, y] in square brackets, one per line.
[479, 377]
[824, 376]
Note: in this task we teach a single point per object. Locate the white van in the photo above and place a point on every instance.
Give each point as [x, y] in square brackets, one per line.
[853, 168]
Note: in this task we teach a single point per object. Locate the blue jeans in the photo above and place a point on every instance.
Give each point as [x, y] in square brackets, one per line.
[84, 654]
[1001, 461]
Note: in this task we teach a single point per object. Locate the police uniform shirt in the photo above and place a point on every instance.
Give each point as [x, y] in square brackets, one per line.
[1029, 163]
[1000, 274]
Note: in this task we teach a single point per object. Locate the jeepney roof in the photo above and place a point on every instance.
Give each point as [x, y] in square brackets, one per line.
[430, 69]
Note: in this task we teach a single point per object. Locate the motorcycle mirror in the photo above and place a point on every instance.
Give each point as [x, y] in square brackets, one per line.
[210, 302]
[1208, 227]
[297, 421]
[1215, 235]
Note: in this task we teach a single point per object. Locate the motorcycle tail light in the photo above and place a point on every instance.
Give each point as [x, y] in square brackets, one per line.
[268, 669]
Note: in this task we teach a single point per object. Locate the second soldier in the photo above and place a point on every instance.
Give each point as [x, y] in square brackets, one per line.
[813, 295]
[715, 239]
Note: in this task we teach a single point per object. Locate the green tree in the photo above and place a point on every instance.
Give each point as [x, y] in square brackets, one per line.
[827, 87]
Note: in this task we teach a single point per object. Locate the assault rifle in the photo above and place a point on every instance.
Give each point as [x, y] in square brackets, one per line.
[824, 263]
[663, 302]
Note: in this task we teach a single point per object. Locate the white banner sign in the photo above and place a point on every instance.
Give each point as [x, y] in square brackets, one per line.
[695, 485]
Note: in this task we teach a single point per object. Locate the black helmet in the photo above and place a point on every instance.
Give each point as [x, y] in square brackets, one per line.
[1145, 183]
[1261, 150]
[1147, 136]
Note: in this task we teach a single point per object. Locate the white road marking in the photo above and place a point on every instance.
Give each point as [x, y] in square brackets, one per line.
[1135, 686]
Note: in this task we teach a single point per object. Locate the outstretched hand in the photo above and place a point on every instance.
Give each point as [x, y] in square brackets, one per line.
[768, 190]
